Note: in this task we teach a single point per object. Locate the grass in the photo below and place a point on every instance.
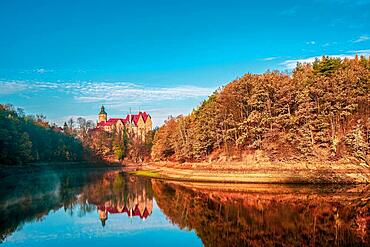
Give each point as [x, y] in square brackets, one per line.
[145, 173]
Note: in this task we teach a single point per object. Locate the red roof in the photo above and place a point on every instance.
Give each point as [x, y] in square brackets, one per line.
[144, 115]
[145, 214]
[134, 119]
[136, 211]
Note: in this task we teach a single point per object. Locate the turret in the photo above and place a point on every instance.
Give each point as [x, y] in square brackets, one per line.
[102, 115]
[103, 215]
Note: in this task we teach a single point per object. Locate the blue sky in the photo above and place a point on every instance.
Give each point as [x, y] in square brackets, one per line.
[60, 229]
[66, 58]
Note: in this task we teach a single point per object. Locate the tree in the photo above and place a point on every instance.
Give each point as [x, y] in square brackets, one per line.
[71, 123]
[310, 114]
[82, 125]
[25, 139]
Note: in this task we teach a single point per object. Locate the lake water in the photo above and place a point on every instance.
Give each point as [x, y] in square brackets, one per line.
[89, 207]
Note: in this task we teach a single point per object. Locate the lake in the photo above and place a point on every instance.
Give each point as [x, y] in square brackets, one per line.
[95, 207]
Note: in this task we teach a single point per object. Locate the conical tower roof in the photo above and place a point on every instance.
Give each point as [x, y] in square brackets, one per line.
[102, 110]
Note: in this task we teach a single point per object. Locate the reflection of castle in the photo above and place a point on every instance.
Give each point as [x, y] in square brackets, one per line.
[119, 194]
[137, 206]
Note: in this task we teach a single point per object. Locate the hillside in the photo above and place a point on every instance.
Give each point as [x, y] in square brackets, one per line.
[25, 139]
[319, 113]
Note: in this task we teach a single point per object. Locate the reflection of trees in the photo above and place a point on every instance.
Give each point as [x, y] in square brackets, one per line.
[265, 219]
[31, 197]
[35, 195]
[219, 216]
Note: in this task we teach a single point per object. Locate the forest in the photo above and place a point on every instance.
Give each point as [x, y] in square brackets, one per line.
[118, 145]
[320, 111]
[25, 139]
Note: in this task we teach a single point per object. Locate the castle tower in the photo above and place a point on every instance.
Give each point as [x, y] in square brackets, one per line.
[102, 115]
[103, 215]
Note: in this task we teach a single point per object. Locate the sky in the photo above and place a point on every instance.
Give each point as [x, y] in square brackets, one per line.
[67, 58]
[59, 229]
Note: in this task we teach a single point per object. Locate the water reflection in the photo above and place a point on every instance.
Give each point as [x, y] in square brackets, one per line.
[219, 214]
[117, 193]
[31, 198]
[268, 215]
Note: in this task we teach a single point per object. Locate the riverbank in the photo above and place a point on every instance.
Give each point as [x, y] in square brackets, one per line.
[344, 172]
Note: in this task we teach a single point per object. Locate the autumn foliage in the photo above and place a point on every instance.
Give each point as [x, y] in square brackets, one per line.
[320, 111]
[270, 218]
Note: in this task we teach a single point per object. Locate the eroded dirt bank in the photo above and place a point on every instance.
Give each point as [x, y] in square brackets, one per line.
[243, 172]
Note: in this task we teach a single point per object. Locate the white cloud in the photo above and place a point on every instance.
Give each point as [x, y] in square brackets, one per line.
[362, 38]
[269, 58]
[291, 64]
[327, 44]
[115, 93]
[108, 91]
[38, 71]
[365, 52]
[312, 42]
[118, 97]
[11, 87]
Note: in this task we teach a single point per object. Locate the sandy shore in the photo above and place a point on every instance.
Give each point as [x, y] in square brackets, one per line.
[243, 172]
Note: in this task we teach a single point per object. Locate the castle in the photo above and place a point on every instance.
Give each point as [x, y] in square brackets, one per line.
[139, 205]
[138, 124]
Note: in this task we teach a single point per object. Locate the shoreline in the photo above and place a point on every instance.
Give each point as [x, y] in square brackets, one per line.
[266, 172]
